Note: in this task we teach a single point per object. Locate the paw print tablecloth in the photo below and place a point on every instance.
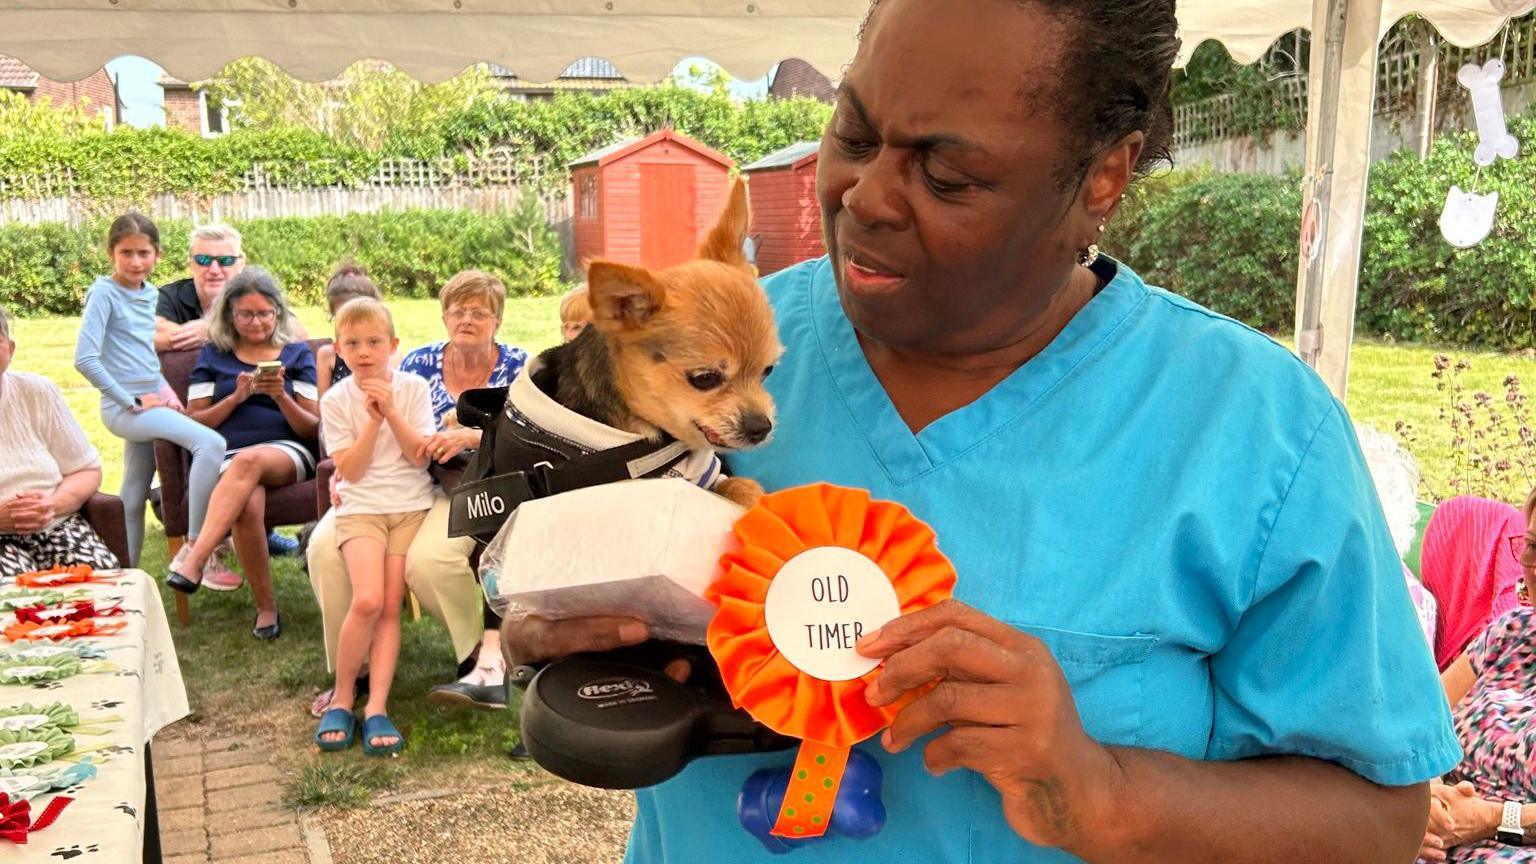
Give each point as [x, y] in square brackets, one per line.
[139, 682]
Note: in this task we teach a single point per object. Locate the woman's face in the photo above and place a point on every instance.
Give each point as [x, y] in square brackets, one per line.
[471, 324]
[134, 258]
[255, 319]
[941, 176]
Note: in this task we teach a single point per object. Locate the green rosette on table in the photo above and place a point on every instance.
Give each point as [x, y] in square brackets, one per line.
[41, 669]
[33, 747]
[78, 650]
[31, 782]
[20, 598]
[25, 716]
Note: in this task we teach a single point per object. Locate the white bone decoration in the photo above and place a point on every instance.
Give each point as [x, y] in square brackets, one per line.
[1496, 140]
[1467, 218]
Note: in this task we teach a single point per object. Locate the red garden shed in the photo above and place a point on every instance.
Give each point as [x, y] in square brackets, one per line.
[786, 218]
[647, 201]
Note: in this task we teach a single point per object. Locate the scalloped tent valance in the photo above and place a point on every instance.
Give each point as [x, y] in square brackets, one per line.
[430, 39]
[1248, 27]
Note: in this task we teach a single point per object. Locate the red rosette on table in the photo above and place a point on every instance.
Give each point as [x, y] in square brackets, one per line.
[16, 817]
[829, 716]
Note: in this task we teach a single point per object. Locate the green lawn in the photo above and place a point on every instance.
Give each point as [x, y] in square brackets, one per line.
[237, 684]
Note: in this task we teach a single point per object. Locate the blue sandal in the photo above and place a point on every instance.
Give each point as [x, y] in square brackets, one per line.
[378, 726]
[336, 720]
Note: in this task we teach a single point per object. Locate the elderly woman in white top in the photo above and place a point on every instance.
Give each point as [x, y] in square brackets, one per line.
[47, 472]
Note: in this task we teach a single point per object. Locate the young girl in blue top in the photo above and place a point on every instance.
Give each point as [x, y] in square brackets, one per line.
[116, 353]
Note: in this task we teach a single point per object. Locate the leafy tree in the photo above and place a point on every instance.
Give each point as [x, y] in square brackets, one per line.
[364, 107]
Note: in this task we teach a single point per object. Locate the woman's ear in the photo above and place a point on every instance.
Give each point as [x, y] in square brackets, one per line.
[1109, 177]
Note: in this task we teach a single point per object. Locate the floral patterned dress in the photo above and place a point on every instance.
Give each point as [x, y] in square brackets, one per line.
[1493, 724]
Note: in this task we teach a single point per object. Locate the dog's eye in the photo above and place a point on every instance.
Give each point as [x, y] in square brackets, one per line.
[767, 372]
[707, 380]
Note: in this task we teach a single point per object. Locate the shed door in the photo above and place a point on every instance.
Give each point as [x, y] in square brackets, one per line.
[668, 221]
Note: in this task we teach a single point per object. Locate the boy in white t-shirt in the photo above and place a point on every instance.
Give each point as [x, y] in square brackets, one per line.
[373, 424]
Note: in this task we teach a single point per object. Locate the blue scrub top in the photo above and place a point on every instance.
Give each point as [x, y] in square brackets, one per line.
[1171, 501]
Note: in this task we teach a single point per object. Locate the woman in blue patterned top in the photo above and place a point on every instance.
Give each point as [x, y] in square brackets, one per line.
[471, 358]
[270, 421]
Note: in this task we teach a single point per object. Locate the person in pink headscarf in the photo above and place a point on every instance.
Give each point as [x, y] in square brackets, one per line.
[1468, 565]
[1480, 556]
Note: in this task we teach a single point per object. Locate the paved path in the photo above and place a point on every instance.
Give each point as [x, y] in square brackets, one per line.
[220, 801]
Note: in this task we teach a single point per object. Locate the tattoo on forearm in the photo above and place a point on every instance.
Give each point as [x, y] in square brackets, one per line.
[1048, 800]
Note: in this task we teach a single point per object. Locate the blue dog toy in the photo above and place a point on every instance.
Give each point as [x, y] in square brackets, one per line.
[856, 812]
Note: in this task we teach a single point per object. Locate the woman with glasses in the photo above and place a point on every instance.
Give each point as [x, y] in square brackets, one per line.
[255, 384]
[1486, 809]
[437, 568]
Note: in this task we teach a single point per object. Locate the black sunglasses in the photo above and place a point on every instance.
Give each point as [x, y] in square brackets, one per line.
[224, 260]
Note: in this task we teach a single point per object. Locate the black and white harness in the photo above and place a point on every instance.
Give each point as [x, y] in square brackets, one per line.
[520, 459]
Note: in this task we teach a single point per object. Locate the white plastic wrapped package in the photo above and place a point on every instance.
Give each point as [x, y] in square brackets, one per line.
[643, 549]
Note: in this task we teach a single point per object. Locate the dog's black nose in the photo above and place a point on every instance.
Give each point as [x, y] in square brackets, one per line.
[755, 428]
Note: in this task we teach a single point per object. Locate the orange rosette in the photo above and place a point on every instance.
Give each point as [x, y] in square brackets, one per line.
[829, 716]
[54, 576]
[31, 631]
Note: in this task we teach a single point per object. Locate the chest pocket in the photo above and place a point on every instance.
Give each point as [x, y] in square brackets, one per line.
[1106, 675]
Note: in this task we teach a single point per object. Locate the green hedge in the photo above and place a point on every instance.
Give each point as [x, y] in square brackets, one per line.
[46, 269]
[130, 165]
[1229, 241]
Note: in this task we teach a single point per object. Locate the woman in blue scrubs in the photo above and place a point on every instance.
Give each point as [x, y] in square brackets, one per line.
[1181, 631]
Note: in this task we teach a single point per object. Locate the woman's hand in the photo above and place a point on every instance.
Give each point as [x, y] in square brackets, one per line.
[1440, 825]
[1009, 713]
[26, 513]
[245, 384]
[446, 445]
[270, 384]
[1470, 817]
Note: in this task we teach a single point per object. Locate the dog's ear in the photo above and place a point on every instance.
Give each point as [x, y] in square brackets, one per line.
[725, 241]
[622, 297]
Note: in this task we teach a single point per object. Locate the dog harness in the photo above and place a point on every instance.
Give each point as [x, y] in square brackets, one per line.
[532, 446]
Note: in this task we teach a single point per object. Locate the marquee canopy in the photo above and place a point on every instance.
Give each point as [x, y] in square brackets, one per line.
[538, 39]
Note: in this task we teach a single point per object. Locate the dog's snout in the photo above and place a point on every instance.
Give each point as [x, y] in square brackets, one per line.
[755, 428]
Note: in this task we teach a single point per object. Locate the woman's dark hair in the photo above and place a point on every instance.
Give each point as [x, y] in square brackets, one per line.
[349, 282]
[129, 224]
[251, 280]
[1116, 78]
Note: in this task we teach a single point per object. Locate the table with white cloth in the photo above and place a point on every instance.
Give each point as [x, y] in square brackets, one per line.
[129, 696]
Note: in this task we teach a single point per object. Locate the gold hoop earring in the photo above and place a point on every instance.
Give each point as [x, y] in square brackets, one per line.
[1088, 256]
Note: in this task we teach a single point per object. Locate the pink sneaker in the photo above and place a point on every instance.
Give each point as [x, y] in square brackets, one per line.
[217, 577]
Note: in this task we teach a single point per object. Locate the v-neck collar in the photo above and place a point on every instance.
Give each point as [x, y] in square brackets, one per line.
[906, 456]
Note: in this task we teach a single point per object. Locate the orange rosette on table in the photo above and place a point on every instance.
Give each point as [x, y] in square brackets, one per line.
[54, 576]
[829, 716]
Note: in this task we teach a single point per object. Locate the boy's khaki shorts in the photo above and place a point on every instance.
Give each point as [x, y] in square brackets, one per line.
[394, 530]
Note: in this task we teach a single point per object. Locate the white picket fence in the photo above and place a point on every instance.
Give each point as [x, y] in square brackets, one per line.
[488, 183]
[276, 202]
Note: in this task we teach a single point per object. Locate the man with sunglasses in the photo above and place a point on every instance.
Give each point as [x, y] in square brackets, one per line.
[215, 256]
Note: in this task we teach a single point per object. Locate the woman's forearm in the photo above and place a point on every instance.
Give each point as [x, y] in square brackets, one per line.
[74, 490]
[302, 417]
[1280, 809]
[213, 414]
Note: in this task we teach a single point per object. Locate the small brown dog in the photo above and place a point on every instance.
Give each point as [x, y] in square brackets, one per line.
[681, 351]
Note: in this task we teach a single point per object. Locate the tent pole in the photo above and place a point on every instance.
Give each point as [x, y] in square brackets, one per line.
[1323, 120]
[1342, 110]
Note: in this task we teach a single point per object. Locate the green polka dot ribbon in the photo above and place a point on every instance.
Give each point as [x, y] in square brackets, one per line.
[33, 747]
[25, 717]
[812, 788]
[40, 669]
